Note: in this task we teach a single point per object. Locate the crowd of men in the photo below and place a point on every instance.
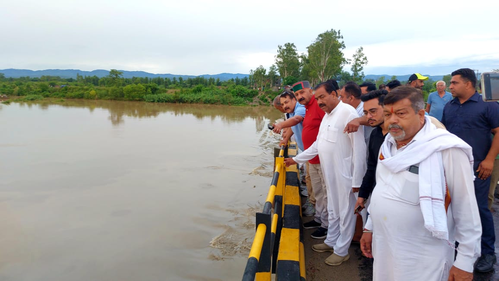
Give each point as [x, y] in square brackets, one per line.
[419, 179]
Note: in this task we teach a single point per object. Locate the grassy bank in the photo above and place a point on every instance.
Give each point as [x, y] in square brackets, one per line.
[225, 95]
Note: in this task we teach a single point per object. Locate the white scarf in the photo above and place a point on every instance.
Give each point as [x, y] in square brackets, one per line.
[425, 149]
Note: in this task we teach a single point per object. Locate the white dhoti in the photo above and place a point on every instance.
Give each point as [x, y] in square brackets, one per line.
[343, 165]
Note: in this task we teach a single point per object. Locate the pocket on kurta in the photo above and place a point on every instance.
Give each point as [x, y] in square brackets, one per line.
[409, 191]
[331, 134]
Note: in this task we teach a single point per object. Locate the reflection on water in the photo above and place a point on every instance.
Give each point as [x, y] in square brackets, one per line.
[162, 192]
[119, 110]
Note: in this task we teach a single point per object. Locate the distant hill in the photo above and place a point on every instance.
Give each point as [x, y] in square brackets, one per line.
[71, 73]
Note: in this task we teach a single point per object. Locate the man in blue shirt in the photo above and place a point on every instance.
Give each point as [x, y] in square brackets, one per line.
[473, 120]
[437, 100]
[296, 113]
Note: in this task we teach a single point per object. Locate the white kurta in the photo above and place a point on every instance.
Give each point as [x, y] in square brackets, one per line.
[343, 165]
[403, 248]
[367, 136]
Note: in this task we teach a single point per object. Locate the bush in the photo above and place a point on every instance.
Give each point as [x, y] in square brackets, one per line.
[91, 95]
[134, 92]
[31, 98]
[115, 93]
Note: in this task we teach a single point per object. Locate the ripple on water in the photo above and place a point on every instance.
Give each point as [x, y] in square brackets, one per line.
[236, 239]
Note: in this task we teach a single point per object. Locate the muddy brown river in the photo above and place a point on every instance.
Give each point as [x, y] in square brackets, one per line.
[108, 191]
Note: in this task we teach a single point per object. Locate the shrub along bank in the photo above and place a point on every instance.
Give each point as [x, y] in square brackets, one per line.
[227, 95]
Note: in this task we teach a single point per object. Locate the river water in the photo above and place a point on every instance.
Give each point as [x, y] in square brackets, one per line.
[108, 191]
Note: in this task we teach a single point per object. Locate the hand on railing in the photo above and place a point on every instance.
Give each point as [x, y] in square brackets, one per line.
[289, 161]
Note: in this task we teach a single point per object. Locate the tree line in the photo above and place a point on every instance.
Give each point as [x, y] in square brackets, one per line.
[323, 60]
[235, 91]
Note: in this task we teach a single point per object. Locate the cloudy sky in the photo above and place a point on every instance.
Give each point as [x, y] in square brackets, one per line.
[209, 37]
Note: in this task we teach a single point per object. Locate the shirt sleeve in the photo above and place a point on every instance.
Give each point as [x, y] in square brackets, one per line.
[468, 229]
[300, 110]
[446, 107]
[493, 114]
[359, 154]
[369, 223]
[370, 177]
[308, 154]
[429, 101]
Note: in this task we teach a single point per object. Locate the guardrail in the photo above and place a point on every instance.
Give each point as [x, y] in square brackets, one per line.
[278, 244]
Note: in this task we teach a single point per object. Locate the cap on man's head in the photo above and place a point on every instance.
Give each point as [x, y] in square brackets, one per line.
[417, 76]
[300, 85]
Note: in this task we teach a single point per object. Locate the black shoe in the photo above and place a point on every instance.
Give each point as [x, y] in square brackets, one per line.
[485, 263]
[320, 233]
[311, 224]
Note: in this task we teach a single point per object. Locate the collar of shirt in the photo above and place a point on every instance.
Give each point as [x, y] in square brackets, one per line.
[340, 103]
[475, 97]
[311, 102]
[360, 109]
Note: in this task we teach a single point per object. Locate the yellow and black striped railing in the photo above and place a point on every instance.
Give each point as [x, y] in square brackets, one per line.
[278, 244]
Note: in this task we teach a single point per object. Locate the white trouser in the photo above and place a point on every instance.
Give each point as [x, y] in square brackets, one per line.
[340, 206]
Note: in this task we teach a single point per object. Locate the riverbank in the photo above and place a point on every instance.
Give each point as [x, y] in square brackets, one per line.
[224, 94]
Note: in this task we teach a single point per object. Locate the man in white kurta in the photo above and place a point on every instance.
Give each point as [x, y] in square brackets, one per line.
[412, 223]
[343, 164]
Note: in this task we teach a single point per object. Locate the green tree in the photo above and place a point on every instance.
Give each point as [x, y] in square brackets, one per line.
[381, 80]
[273, 76]
[358, 62]
[115, 77]
[325, 55]
[260, 77]
[446, 79]
[251, 79]
[287, 60]
[307, 73]
[290, 80]
[345, 77]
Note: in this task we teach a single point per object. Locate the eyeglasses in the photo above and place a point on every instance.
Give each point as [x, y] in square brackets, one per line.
[371, 111]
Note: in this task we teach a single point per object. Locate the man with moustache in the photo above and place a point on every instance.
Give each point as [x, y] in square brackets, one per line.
[473, 120]
[423, 199]
[287, 133]
[315, 185]
[373, 110]
[343, 164]
[296, 113]
[416, 80]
